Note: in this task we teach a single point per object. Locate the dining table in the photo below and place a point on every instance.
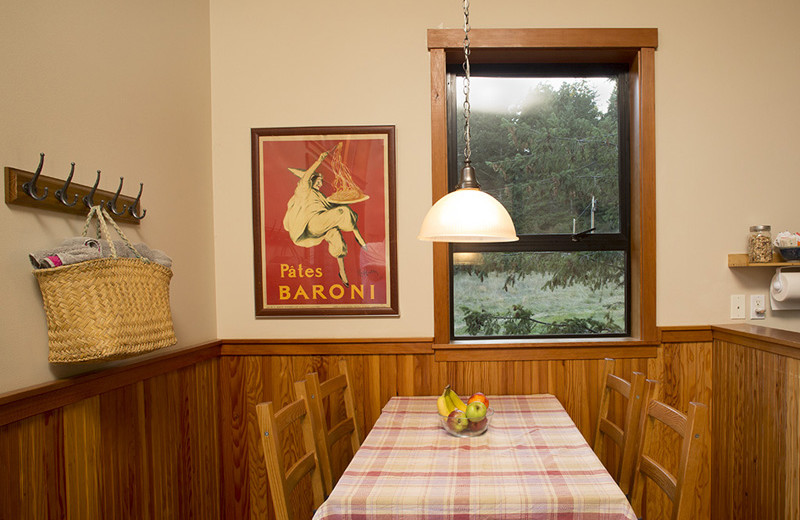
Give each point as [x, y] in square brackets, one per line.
[531, 463]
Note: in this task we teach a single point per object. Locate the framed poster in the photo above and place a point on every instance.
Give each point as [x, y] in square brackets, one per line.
[324, 221]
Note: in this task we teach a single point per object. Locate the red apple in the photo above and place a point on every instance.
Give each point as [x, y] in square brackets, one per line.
[478, 425]
[478, 396]
[457, 421]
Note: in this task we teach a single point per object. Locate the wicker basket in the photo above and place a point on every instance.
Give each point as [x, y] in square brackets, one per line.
[108, 308]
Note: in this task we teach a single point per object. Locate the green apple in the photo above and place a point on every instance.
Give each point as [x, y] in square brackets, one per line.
[475, 411]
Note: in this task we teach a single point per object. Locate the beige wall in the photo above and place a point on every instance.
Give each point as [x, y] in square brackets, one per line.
[727, 112]
[123, 87]
[316, 64]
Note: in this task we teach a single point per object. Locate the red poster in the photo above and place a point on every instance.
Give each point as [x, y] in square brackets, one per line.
[323, 220]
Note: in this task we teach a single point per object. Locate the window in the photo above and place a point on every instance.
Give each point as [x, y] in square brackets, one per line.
[551, 143]
[583, 127]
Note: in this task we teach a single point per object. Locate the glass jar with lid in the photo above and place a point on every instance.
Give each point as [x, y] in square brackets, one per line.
[759, 244]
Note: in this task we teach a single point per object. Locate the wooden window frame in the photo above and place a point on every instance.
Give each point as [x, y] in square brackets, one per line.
[633, 47]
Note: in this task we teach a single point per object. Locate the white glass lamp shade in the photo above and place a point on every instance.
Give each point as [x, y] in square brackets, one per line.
[468, 215]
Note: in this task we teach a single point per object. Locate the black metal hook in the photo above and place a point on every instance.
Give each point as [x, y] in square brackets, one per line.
[61, 193]
[30, 186]
[576, 237]
[132, 209]
[88, 199]
[112, 205]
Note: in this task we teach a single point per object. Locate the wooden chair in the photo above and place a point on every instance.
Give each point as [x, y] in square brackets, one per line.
[628, 438]
[325, 437]
[282, 481]
[692, 429]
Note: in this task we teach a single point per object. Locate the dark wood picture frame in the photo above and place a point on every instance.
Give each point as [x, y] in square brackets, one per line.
[324, 221]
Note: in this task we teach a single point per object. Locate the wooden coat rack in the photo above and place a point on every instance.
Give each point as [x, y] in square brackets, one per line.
[39, 191]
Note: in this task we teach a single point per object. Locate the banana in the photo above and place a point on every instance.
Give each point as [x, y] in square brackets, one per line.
[457, 402]
[450, 402]
[441, 404]
[444, 404]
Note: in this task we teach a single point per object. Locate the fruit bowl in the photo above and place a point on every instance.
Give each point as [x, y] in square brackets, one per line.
[790, 254]
[464, 427]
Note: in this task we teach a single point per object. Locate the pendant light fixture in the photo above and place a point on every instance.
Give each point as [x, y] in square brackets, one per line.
[467, 214]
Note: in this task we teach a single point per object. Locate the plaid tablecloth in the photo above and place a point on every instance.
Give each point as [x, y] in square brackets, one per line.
[532, 463]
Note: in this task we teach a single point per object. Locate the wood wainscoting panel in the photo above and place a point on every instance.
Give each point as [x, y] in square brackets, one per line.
[30, 483]
[123, 489]
[246, 380]
[684, 373]
[82, 454]
[180, 439]
[791, 450]
[756, 432]
[145, 450]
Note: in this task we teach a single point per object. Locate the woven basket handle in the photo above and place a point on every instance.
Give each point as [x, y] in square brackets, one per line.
[102, 230]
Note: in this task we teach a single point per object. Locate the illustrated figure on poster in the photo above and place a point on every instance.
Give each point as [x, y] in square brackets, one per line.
[311, 217]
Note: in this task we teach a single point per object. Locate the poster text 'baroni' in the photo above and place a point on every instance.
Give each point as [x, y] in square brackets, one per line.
[317, 291]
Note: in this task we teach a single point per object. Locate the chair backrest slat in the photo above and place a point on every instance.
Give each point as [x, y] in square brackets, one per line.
[614, 432]
[299, 470]
[289, 414]
[619, 384]
[665, 480]
[669, 416]
[331, 385]
[344, 427]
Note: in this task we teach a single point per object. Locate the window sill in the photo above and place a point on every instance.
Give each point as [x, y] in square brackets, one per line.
[549, 349]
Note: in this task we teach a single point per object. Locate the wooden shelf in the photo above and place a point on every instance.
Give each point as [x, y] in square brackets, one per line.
[740, 260]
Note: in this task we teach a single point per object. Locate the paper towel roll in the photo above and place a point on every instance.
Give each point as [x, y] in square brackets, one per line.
[784, 290]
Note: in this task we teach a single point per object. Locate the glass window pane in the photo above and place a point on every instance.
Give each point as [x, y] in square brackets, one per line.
[547, 148]
[539, 294]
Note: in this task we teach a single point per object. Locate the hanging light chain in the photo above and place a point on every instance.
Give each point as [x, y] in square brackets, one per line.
[467, 148]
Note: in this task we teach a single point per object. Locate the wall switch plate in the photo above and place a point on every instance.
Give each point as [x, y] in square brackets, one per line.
[758, 306]
[737, 306]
